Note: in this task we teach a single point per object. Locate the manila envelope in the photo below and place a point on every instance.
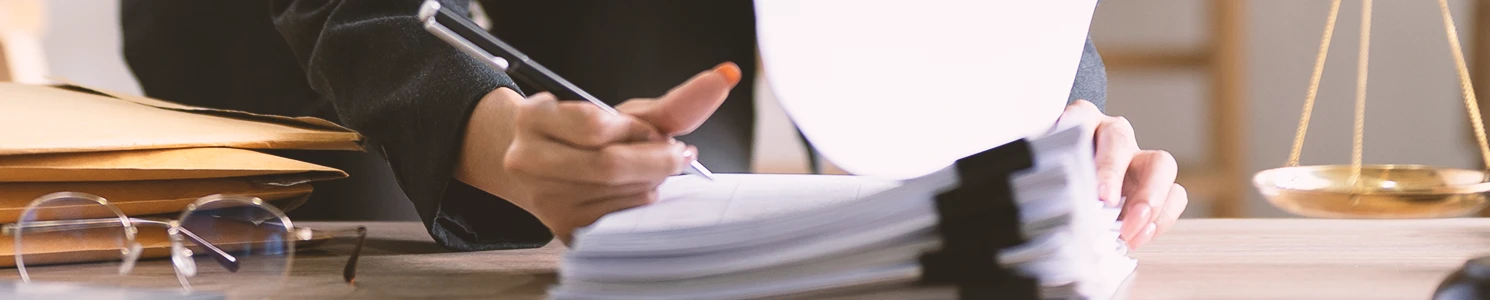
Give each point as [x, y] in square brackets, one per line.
[153, 164]
[151, 197]
[146, 182]
[37, 119]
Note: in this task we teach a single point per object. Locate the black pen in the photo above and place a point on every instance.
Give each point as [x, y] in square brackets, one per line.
[460, 32]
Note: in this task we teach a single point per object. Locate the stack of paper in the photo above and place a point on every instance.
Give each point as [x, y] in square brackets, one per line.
[148, 156]
[752, 236]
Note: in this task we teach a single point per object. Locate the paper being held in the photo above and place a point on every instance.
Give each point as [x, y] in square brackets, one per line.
[758, 235]
[924, 84]
[686, 201]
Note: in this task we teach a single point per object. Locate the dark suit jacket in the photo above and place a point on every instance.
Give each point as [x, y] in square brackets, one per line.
[371, 66]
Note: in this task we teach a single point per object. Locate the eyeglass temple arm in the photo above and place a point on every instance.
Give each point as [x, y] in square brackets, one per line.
[349, 272]
[228, 261]
[63, 225]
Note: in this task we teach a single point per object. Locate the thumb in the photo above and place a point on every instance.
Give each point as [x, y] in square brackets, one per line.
[686, 106]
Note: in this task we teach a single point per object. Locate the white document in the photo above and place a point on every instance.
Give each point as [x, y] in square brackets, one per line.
[757, 235]
[691, 202]
[904, 88]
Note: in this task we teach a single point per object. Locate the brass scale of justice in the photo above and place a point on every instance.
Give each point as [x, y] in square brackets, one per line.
[1377, 191]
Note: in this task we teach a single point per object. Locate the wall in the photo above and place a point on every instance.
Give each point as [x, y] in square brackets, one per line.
[1414, 111]
[82, 44]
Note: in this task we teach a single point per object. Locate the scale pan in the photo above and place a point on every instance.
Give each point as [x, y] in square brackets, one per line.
[1384, 191]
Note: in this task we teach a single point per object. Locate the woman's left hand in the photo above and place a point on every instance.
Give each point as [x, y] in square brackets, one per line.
[1144, 177]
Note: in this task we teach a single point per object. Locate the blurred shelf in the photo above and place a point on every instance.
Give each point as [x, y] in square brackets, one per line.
[4, 69]
[1220, 179]
[1137, 59]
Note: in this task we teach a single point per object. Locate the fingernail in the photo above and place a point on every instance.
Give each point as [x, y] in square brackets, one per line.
[1104, 195]
[1136, 216]
[1145, 236]
[689, 153]
[730, 71]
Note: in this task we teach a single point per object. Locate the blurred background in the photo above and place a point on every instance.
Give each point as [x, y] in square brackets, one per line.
[1219, 83]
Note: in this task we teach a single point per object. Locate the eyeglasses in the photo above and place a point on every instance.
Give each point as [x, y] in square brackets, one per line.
[228, 243]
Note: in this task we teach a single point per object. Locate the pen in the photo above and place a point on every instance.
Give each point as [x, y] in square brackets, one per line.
[471, 39]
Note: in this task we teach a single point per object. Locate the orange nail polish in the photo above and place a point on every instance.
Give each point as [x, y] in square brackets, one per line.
[730, 71]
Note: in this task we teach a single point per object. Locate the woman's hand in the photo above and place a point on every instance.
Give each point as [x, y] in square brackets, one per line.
[1144, 177]
[570, 163]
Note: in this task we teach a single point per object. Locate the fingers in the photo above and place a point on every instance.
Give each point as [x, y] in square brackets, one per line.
[686, 107]
[581, 124]
[1081, 112]
[1116, 147]
[584, 215]
[1174, 205]
[1145, 177]
[584, 192]
[614, 164]
[607, 206]
[1148, 186]
[577, 163]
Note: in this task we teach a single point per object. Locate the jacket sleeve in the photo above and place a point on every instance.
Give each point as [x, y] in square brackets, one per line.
[411, 93]
[1091, 78]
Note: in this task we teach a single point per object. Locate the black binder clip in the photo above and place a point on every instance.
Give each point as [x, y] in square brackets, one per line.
[978, 218]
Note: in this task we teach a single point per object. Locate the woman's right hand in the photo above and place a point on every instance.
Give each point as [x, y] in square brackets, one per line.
[570, 163]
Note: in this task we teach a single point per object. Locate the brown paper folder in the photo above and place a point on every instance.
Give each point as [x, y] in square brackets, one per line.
[37, 119]
[147, 157]
[146, 182]
[141, 198]
[158, 164]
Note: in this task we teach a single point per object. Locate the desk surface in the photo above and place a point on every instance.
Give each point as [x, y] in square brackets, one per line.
[1199, 259]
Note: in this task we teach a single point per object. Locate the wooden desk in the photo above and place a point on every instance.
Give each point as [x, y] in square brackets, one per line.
[1200, 259]
[1306, 259]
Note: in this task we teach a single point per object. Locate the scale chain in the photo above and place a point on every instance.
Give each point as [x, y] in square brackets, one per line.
[1324, 52]
[1362, 66]
[1466, 86]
